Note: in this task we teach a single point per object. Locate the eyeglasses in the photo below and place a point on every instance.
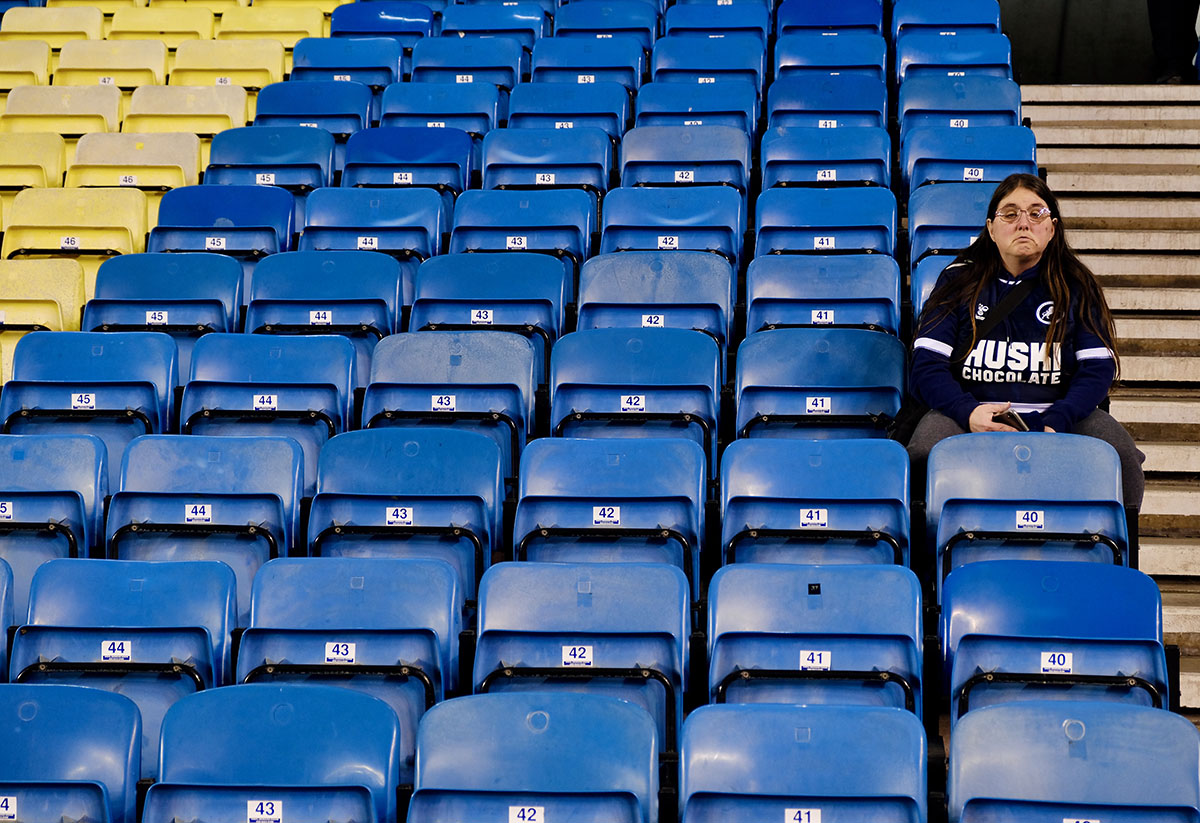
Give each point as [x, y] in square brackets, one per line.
[1036, 215]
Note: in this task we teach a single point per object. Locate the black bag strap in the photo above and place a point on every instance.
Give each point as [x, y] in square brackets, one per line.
[1016, 295]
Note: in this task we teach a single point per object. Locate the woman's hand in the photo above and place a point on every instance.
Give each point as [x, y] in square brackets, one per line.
[981, 418]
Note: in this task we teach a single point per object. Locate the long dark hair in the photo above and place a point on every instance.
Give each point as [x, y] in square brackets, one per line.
[1066, 276]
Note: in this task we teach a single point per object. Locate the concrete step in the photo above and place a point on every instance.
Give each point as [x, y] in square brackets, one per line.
[1189, 684]
[1159, 181]
[1159, 360]
[1133, 116]
[1158, 414]
[1119, 161]
[1110, 94]
[1159, 327]
[1182, 240]
[1166, 557]
[1092, 210]
[1171, 509]
[1135, 296]
[1157, 136]
[1177, 269]
[1171, 456]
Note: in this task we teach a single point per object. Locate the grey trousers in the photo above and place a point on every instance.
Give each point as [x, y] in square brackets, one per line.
[935, 426]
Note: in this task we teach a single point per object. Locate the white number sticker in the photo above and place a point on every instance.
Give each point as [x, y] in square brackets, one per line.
[1034, 519]
[340, 652]
[654, 321]
[398, 516]
[956, 74]
[224, 81]
[822, 317]
[585, 78]
[107, 80]
[342, 78]
[214, 244]
[815, 660]
[668, 242]
[8, 808]
[633, 402]
[526, 814]
[1057, 662]
[481, 317]
[266, 402]
[156, 318]
[704, 81]
[443, 402]
[116, 651]
[959, 122]
[69, 242]
[266, 178]
[818, 405]
[827, 124]
[83, 401]
[577, 655]
[693, 122]
[464, 78]
[606, 515]
[402, 178]
[801, 816]
[814, 519]
[127, 180]
[367, 243]
[264, 811]
[320, 317]
[1081, 820]
[564, 124]
[544, 179]
[6, 510]
[824, 242]
[516, 242]
[435, 124]
[198, 513]
[685, 176]
[972, 174]
[827, 175]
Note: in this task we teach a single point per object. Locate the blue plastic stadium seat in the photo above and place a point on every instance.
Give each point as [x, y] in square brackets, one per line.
[411, 156]
[433, 493]
[932, 17]
[474, 107]
[547, 105]
[1027, 496]
[1079, 760]
[185, 295]
[809, 501]
[548, 756]
[619, 629]
[584, 62]
[405, 223]
[612, 500]
[69, 752]
[295, 158]
[356, 294]
[825, 221]
[818, 383]
[7, 595]
[924, 55]
[524, 22]
[404, 23]
[823, 290]
[701, 59]
[1026, 629]
[376, 60]
[115, 386]
[815, 55]
[637, 382]
[686, 156]
[252, 384]
[479, 380]
[342, 763]
[232, 499]
[557, 223]
[52, 490]
[848, 635]
[830, 101]
[501, 61]
[384, 626]
[655, 289]
[847, 17]
[244, 222]
[703, 218]
[512, 292]
[706, 21]
[339, 107]
[548, 158]
[982, 154]
[825, 157]
[609, 20]
[154, 632]
[802, 763]
[728, 103]
[942, 221]
[958, 102]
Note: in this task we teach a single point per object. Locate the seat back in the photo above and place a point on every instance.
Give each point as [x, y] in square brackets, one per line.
[583, 62]
[686, 155]
[920, 54]
[798, 156]
[524, 22]
[984, 154]
[547, 105]
[551, 157]
[823, 290]
[825, 220]
[812, 54]
[704, 218]
[296, 158]
[972, 16]
[854, 16]
[501, 61]
[945, 219]
[410, 156]
[609, 19]
[958, 102]
[826, 101]
[473, 106]
[406, 23]
[701, 59]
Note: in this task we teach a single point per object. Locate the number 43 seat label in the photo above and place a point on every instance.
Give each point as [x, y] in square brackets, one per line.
[264, 811]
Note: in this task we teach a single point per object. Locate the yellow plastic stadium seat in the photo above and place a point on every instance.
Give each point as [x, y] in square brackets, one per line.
[23, 63]
[107, 7]
[52, 26]
[28, 161]
[199, 110]
[153, 163]
[326, 6]
[125, 64]
[37, 295]
[171, 25]
[218, 7]
[69, 111]
[89, 225]
[250, 64]
[287, 25]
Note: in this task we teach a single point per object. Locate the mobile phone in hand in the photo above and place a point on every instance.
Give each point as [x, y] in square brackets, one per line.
[1010, 418]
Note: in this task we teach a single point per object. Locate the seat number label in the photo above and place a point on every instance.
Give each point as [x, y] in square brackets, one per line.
[654, 321]
[443, 402]
[825, 242]
[214, 244]
[972, 174]
[585, 78]
[69, 242]
[116, 651]
[342, 78]
[83, 401]
[685, 176]
[481, 317]
[1031, 520]
[633, 403]
[266, 178]
[818, 405]
[693, 122]
[516, 242]
[801, 816]
[402, 178]
[398, 516]
[826, 124]
[320, 317]
[127, 180]
[435, 124]
[827, 175]
[704, 81]
[959, 122]
[224, 81]
[6, 510]
[564, 124]
[822, 317]
[156, 317]
[814, 519]
[668, 242]
[464, 78]
[366, 243]
[606, 515]
[198, 513]
[264, 811]
[1065, 819]
[8, 808]
[526, 814]
[815, 660]
[266, 402]
[1058, 662]
[339, 652]
[576, 656]
[545, 178]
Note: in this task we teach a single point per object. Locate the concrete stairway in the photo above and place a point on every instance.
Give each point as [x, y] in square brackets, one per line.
[1125, 162]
